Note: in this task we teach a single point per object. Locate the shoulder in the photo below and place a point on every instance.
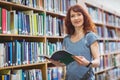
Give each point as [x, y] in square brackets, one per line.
[91, 34]
[67, 36]
[91, 37]
[66, 40]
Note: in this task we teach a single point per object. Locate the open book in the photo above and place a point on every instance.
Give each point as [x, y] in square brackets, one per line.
[61, 56]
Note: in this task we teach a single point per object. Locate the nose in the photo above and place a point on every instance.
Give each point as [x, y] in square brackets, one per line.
[76, 17]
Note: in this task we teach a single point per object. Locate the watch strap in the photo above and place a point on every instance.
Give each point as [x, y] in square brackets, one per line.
[89, 64]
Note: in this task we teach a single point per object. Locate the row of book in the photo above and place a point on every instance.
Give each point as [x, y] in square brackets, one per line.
[29, 23]
[101, 16]
[58, 6]
[17, 22]
[108, 47]
[31, 3]
[108, 61]
[33, 74]
[20, 53]
[104, 32]
[52, 47]
[54, 26]
[113, 74]
[95, 13]
[55, 73]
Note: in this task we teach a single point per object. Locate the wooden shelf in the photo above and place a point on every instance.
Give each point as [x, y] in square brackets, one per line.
[111, 53]
[12, 37]
[43, 38]
[60, 15]
[43, 66]
[25, 66]
[16, 6]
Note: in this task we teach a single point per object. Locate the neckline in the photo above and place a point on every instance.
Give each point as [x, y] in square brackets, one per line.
[77, 40]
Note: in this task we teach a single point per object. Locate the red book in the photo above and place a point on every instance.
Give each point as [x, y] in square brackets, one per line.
[4, 19]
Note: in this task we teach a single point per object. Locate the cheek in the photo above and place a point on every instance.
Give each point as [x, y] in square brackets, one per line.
[82, 20]
[72, 20]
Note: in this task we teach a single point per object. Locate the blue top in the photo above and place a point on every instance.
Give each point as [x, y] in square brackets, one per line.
[80, 48]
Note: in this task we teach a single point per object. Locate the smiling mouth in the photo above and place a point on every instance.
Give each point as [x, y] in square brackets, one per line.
[77, 22]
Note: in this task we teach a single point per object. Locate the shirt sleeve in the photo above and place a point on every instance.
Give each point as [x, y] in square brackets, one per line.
[64, 44]
[91, 38]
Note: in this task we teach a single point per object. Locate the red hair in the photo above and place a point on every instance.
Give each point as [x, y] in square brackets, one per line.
[88, 23]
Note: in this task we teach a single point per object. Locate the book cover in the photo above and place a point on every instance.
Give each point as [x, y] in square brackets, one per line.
[62, 56]
[0, 20]
[4, 20]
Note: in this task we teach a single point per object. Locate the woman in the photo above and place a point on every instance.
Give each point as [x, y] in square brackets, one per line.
[81, 41]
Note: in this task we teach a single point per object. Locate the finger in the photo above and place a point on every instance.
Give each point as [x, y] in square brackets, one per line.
[78, 58]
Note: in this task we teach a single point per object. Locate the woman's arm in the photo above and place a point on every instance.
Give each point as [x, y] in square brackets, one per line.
[95, 53]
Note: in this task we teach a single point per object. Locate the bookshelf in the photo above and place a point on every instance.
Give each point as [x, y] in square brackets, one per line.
[29, 28]
[108, 27]
[49, 16]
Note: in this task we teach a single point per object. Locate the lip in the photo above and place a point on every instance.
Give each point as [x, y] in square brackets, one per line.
[77, 22]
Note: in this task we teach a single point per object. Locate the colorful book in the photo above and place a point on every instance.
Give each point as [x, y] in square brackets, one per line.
[4, 20]
[62, 56]
[0, 20]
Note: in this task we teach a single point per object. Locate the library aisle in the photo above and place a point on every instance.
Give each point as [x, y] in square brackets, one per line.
[30, 29]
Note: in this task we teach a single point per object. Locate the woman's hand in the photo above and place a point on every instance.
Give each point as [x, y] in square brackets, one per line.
[81, 60]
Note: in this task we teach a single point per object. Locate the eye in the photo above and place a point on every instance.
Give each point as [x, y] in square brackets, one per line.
[79, 14]
[72, 16]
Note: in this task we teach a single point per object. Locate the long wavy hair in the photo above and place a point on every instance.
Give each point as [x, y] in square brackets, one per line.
[88, 23]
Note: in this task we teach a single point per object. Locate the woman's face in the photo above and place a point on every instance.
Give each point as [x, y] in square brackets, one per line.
[76, 18]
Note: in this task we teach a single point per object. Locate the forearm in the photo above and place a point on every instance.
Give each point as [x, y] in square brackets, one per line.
[95, 54]
[95, 63]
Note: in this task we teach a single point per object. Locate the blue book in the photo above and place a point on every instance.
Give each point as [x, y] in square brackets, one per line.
[49, 74]
[10, 51]
[19, 23]
[54, 73]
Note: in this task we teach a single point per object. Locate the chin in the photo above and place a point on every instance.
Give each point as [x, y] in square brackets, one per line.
[78, 25]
